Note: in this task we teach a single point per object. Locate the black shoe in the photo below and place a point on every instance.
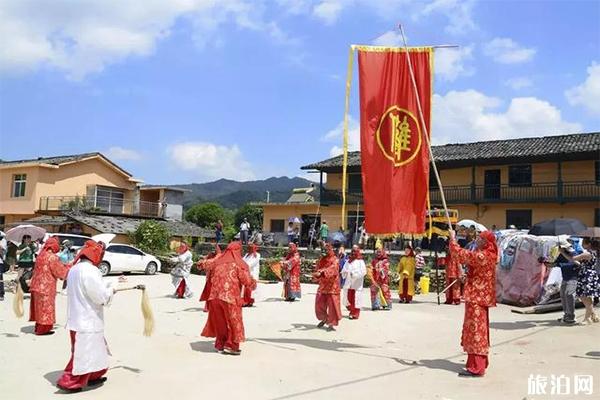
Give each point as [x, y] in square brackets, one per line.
[321, 324]
[98, 381]
[468, 374]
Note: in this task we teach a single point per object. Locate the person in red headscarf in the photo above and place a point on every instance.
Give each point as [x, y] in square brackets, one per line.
[252, 258]
[453, 280]
[48, 269]
[180, 273]
[203, 265]
[228, 274]
[379, 272]
[87, 295]
[480, 295]
[327, 302]
[291, 274]
[353, 274]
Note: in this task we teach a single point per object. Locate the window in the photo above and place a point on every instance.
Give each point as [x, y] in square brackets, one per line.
[597, 167]
[277, 225]
[519, 175]
[354, 183]
[109, 200]
[19, 181]
[134, 252]
[519, 218]
[117, 249]
[597, 217]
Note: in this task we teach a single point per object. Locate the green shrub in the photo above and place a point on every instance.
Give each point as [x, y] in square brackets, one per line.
[151, 237]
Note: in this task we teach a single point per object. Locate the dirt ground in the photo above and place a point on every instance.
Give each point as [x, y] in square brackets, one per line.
[411, 352]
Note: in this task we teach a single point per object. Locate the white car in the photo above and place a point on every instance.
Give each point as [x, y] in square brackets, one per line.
[125, 258]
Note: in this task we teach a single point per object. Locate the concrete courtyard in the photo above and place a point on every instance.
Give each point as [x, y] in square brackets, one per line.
[411, 352]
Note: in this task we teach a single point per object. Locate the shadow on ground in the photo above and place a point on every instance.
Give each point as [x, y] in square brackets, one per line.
[521, 325]
[314, 343]
[28, 329]
[203, 347]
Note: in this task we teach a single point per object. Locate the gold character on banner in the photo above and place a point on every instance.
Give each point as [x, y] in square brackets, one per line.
[401, 136]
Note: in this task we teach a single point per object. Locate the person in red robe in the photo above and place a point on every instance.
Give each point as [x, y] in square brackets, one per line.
[48, 269]
[379, 272]
[291, 274]
[480, 295]
[228, 273]
[201, 265]
[327, 302]
[453, 278]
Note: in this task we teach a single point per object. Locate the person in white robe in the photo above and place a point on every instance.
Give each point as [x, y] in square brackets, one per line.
[180, 274]
[87, 295]
[252, 258]
[353, 273]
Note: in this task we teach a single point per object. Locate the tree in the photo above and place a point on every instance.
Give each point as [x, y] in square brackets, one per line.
[151, 237]
[205, 215]
[254, 214]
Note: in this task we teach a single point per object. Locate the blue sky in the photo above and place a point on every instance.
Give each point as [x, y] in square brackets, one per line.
[194, 90]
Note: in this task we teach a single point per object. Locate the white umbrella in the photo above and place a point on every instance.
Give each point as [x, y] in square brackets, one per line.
[16, 234]
[295, 220]
[467, 223]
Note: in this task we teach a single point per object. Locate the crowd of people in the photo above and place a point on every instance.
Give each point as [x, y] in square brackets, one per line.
[231, 284]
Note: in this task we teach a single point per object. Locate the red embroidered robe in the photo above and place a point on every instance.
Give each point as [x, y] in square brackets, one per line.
[226, 280]
[479, 294]
[48, 269]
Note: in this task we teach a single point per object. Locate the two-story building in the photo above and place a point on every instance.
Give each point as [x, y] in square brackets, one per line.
[503, 182]
[87, 191]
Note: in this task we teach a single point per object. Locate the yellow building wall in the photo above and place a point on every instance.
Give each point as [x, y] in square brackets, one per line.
[73, 179]
[19, 205]
[285, 212]
[577, 171]
[456, 176]
[334, 181]
[67, 180]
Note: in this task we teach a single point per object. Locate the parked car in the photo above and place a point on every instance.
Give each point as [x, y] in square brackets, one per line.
[125, 258]
[77, 240]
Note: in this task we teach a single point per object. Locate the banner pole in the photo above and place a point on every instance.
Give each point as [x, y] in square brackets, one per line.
[414, 84]
[345, 145]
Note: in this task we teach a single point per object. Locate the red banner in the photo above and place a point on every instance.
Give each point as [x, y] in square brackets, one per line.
[394, 154]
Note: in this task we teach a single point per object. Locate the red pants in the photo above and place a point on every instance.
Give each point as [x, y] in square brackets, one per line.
[180, 289]
[404, 295]
[354, 312]
[224, 335]
[248, 300]
[327, 308]
[476, 364]
[70, 381]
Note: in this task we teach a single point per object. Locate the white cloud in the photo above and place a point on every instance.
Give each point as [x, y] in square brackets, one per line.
[588, 93]
[519, 83]
[390, 38]
[507, 51]
[459, 13]
[329, 10]
[337, 134]
[310, 177]
[471, 116]
[211, 161]
[453, 63]
[117, 153]
[86, 36]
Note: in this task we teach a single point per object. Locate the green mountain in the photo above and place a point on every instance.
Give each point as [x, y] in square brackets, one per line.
[233, 194]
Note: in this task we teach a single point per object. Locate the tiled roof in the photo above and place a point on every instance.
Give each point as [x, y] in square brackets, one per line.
[124, 225]
[538, 149]
[58, 160]
[303, 195]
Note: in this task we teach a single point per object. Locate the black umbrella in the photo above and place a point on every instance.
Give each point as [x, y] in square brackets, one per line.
[559, 226]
